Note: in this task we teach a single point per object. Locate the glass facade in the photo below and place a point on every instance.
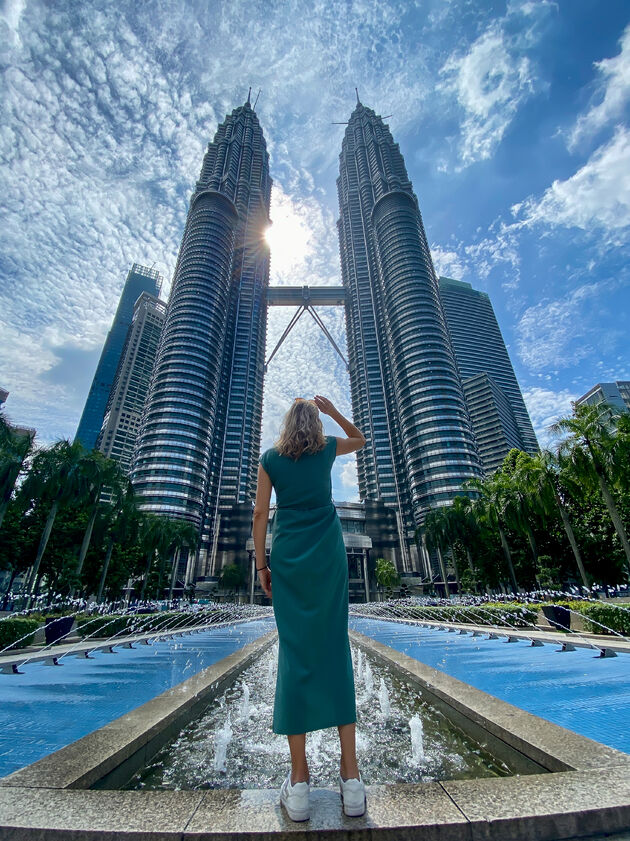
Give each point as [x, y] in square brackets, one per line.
[197, 451]
[494, 424]
[479, 349]
[616, 394]
[118, 434]
[406, 392]
[140, 279]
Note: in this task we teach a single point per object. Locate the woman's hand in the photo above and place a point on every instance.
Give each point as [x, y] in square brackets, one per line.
[324, 404]
[264, 576]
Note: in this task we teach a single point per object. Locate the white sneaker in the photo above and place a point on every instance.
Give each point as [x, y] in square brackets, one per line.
[294, 798]
[353, 796]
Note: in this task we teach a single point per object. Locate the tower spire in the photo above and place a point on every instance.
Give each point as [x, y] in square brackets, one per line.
[249, 96]
[356, 90]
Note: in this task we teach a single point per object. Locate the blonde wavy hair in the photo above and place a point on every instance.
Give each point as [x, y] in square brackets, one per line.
[301, 430]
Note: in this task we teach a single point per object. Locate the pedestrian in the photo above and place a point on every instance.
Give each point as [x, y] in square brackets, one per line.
[309, 575]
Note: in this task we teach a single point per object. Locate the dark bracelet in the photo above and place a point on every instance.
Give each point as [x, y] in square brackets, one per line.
[265, 567]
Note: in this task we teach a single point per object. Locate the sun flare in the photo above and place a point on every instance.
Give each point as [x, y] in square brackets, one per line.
[289, 237]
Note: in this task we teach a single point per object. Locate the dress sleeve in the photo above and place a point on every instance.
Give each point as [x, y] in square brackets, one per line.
[333, 447]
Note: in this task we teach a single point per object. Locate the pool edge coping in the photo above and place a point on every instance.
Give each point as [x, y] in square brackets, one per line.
[105, 756]
[551, 746]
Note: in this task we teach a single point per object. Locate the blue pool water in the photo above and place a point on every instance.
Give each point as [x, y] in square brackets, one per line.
[574, 689]
[48, 707]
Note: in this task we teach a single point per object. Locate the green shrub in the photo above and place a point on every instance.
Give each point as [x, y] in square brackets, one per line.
[115, 624]
[511, 614]
[615, 618]
[12, 630]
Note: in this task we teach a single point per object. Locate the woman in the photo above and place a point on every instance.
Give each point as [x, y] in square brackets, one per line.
[315, 683]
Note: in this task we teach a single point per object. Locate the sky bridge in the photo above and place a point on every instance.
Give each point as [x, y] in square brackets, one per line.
[305, 298]
[321, 296]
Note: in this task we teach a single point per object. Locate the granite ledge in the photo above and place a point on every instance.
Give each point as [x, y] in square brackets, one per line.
[552, 747]
[546, 807]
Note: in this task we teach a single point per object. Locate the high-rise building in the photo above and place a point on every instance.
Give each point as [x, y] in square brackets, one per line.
[493, 421]
[140, 279]
[126, 401]
[616, 394]
[497, 410]
[406, 392]
[197, 452]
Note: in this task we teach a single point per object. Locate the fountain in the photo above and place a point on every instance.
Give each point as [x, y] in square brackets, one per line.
[417, 740]
[368, 678]
[244, 708]
[383, 699]
[221, 741]
[468, 610]
[254, 757]
[228, 744]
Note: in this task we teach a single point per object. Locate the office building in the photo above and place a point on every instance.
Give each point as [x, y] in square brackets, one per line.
[118, 434]
[616, 394]
[406, 392]
[370, 531]
[140, 279]
[497, 410]
[197, 452]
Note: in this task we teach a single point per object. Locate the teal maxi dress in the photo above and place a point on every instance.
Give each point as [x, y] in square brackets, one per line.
[309, 581]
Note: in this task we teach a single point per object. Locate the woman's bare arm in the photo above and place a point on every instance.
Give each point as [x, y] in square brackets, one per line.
[259, 528]
[355, 440]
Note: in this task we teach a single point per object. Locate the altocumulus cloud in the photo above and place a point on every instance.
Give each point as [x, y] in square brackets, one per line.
[494, 77]
[106, 113]
[106, 119]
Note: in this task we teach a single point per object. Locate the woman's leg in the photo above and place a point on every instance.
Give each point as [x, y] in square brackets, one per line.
[349, 767]
[299, 766]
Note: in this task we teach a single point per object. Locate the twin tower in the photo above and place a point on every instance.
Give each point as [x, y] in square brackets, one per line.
[197, 451]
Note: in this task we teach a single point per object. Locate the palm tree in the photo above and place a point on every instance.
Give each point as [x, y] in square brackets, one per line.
[186, 537]
[15, 445]
[546, 482]
[621, 450]
[493, 504]
[123, 527]
[54, 480]
[157, 535]
[523, 506]
[97, 472]
[436, 535]
[589, 449]
[463, 525]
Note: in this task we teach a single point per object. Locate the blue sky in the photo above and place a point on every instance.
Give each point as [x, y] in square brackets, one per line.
[512, 118]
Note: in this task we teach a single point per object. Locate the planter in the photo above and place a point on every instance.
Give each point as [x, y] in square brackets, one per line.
[57, 627]
[558, 617]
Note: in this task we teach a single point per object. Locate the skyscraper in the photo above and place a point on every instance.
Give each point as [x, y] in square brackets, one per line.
[197, 451]
[140, 279]
[616, 394]
[406, 393]
[126, 400]
[498, 413]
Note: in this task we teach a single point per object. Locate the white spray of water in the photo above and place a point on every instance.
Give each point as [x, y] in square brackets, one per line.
[316, 743]
[360, 664]
[245, 708]
[368, 678]
[417, 740]
[221, 742]
[383, 699]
